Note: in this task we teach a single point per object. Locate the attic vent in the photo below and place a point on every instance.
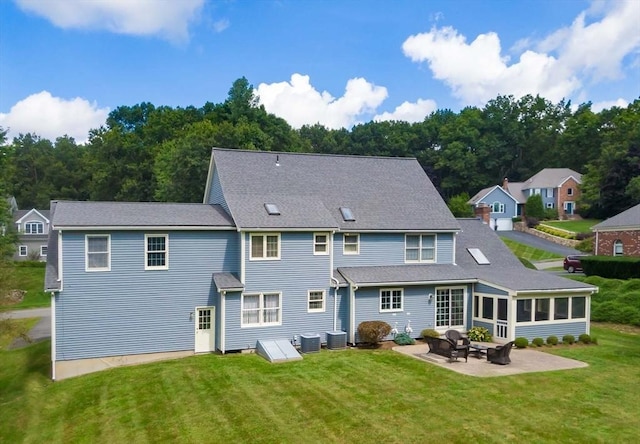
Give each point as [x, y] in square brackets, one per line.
[272, 209]
[347, 214]
[479, 256]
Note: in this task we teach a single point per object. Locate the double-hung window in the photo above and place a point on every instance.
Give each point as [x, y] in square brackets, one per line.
[265, 246]
[98, 252]
[320, 243]
[316, 301]
[261, 309]
[34, 227]
[156, 250]
[618, 248]
[22, 250]
[391, 299]
[420, 248]
[351, 244]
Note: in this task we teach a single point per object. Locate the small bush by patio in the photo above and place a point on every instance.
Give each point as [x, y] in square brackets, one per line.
[521, 342]
[552, 340]
[372, 332]
[568, 339]
[538, 342]
[404, 339]
[429, 333]
[479, 334]
[584, 338]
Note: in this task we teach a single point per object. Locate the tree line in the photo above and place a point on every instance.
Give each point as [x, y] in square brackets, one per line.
[149, 153]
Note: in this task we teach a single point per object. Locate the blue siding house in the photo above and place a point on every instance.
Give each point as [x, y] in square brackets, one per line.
[283, 246]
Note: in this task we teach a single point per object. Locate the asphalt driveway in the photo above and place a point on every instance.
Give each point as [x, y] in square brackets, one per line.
[39, 332]
[537, 242]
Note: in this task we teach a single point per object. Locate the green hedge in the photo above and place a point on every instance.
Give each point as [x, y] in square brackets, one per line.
[611, 267]
[554, 232]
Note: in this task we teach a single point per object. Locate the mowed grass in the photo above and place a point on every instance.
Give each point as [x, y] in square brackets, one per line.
[31, 280]
[576, 226]
[349, 396]
[529, 253]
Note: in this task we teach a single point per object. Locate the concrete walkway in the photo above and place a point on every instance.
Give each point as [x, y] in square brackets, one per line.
[522, 361]
[39, 332]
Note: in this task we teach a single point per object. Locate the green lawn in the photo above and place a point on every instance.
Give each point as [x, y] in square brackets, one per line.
[30, 279]
[332, 396]
[577, 226]
[529, 253]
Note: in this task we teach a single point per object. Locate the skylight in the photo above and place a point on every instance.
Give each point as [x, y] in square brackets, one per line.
[272, 209]
[347, 214]
[479, 256]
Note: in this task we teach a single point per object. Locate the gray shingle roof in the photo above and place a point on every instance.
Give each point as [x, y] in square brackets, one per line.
[227, 281]
[19, 214]
[551, 178]
[125, 215]
[627, 219]
[504, 269]
[309, 189]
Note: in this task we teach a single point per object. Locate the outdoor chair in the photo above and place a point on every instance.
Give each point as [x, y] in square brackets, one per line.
[500, 354]
[456, 337]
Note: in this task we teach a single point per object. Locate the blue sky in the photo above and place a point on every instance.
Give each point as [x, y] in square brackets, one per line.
[64, 64]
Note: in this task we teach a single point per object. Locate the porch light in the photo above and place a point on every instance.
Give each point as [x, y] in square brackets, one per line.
[430, 297]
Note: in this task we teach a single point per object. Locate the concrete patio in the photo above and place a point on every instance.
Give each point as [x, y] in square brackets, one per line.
[522, 361]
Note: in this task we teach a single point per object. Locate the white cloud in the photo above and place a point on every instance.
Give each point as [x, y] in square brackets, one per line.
[51, 117]
[409, 112]
[167, 19]
[599, 106]
[299, 103]
[221, 25]
[560, 65]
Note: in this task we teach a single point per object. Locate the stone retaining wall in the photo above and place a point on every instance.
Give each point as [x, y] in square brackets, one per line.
[521, 226]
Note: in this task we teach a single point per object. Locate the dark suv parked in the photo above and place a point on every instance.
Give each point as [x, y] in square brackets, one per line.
[572, 264]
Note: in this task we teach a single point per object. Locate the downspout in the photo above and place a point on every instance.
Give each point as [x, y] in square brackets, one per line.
[53, 335]
[223, 294]
[242, 255]
[352, 315]
[597, 242]
[335, 292]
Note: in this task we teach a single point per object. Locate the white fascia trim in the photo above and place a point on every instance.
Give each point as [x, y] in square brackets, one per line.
[576, 291]
[144, 228]
[283, 230]
[507, 290]
[19, 221]
[207, 189]
[409, 284]
[412, 230]
[614, 229]
[567, 178]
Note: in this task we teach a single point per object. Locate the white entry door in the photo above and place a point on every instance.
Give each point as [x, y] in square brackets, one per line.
[205, 331]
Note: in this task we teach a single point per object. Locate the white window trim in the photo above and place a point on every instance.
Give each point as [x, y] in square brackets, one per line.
[615, 244]
[420, 260]
[552, 311]
[500, 207]
[464, 307]
[264, 247]
[146, 251]
[548, 192]
[42, 253]
[570, 191]
[26, 251]
[391, 310]
[344, 244]
[316, 244]
[261, 310]
[33, 222]
[86, 253]
[324, 299]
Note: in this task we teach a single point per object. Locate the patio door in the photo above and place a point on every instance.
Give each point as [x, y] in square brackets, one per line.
[501, 319]
[450, 308]
[205, 337]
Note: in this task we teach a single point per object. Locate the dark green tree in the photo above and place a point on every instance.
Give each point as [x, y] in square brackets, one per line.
[459, 205]
[533, 208]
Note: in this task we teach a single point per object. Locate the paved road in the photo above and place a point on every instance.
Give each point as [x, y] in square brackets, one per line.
[537, 242]
[39, 332]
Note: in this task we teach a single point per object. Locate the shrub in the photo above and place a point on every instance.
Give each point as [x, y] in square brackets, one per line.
[552, 340]
[404, 339]
[550, 214]
[429, 333]
[372, 332]
[538, 342]
[480, 334]
[521, 342]
[568, 339]
[584, 338]
[585, 246]
[533, 207]
[532, 222]
[594, 340]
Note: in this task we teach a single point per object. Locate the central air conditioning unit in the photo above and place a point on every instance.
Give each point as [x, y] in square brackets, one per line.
[336, 340]
[309, 343]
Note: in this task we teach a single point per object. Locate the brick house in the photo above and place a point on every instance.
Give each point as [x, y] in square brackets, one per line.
[619, 235]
